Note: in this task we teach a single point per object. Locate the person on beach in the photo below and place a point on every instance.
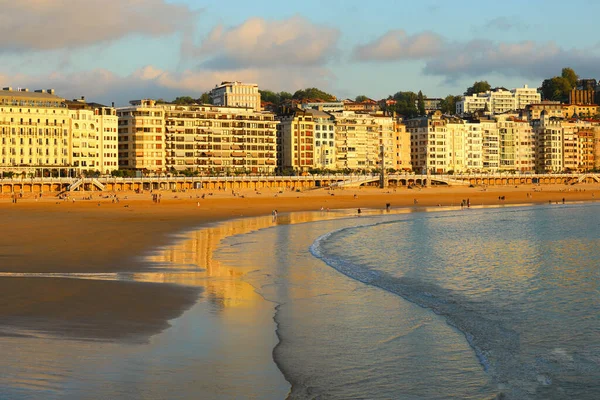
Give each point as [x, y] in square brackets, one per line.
[359, 211]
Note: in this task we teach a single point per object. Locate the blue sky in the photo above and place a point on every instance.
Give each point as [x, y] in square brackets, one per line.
[117, 50]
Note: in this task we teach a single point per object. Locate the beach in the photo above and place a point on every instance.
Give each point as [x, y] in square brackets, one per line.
[101, 235]
[186, 281]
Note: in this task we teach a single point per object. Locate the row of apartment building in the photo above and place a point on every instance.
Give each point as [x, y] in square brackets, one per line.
[506, 143]
[40, 129]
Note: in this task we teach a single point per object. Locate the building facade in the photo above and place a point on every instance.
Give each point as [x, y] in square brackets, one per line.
[236, 94]
[498, 101]
[141, 137]
[199, 138]
[34, 129]
[93, 144]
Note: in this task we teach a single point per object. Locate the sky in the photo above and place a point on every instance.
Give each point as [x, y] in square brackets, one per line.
[120, 50]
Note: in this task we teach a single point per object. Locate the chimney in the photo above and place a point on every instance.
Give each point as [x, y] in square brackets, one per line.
[83, 99]
[8, 88]
[24, 90]
[113, 104]
[50, 91]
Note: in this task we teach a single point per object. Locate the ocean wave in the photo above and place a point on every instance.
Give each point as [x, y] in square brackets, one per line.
[486, 327]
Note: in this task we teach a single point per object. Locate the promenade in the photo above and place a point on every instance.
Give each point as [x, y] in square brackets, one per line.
[294, 183]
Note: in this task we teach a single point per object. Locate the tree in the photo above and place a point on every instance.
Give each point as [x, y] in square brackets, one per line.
[406, 104]
[478, 87]
[556, 89]
[285, 96]
[276, 98]
[448, 104]
[313, 93]
[361, 98]
[570, 76]
[206, 98]
[421, 103]
[184, 100]
[269, 96]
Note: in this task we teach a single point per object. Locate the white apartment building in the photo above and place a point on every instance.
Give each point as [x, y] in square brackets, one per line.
[325, 154]
[93, 145]
[236, 94]
[498, 101]
[473, 103]
[525, 96]
[501, 101]
[474, 147]
[107, 125]
[517, 145]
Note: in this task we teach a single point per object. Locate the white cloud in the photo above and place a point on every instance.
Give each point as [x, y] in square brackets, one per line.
[397, 45]
[454, 60]
[151, 82]
[55, 24]
[266, 43]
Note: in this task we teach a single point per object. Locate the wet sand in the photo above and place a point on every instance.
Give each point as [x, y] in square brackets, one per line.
[98, 236]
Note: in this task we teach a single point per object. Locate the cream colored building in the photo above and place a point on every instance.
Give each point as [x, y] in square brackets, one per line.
[387, 130]
[456, 131]
[517, 145]
[359, 138]
[205, 139]
[430, 144]
[549, 144]
[212, 139]
[402, 157]
[296, 133]
[34, 129]
[141, 137]
[552, 109]
[236, 94]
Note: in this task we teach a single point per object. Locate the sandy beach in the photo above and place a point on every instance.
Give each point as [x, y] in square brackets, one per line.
[96, 235]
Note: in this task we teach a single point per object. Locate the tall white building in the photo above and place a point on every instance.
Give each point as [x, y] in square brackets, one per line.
[93, 144]
[498, 101]
[525, 96]
[236, 94]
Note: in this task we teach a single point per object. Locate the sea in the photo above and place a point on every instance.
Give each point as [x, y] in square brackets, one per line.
[439, 303]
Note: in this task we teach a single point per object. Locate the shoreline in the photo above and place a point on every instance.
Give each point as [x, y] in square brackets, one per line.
[99, 236]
